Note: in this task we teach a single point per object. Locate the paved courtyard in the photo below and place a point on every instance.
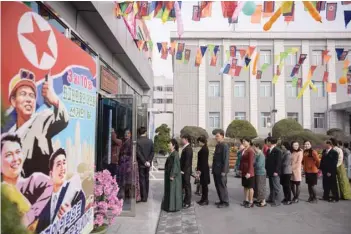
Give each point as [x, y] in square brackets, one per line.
[298, 218]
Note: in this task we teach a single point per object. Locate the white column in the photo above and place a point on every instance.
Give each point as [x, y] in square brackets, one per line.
[227, 92]
[331, 115]
[279, 87]
[306, 98]
[253, 91]
[202, 90]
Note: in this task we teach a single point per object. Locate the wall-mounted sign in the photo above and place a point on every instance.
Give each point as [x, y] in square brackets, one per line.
[108, 81]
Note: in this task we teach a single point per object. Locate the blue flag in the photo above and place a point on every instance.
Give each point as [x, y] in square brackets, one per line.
[347, 17]
[339, 52]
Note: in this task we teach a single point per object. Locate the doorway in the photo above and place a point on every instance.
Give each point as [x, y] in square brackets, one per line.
[116, 143]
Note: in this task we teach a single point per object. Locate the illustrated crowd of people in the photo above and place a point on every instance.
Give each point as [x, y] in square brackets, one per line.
[283, 163]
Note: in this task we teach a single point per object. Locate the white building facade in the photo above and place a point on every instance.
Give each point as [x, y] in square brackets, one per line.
[204, 97]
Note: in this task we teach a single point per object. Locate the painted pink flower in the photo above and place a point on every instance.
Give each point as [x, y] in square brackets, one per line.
[99, 220]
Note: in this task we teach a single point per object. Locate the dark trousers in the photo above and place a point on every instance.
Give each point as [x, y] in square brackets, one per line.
[221, 187]
[144, 182]
[204, 196]
[330, 185]
[187, 189]
[286, 186]
[275, 189]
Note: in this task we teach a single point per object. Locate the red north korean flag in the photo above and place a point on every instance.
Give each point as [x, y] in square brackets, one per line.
[29, 42]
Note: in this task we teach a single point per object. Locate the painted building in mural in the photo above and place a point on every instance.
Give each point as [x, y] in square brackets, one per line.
[220, 98]
[69, 77]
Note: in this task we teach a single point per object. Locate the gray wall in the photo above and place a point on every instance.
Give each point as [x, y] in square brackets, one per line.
[185, 92]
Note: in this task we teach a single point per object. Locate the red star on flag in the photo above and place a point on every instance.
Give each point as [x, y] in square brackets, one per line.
[40, 40]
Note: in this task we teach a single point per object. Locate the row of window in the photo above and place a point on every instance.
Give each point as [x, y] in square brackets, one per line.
[265, 89]
[266, 119]
[163, 88]
[290, 60]
[163, 101]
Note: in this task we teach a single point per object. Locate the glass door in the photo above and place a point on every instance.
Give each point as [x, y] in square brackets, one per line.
[117, 132]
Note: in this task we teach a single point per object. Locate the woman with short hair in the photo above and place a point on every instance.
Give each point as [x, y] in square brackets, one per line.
[248, 172]
[260, 175]
[204, 169]
[286, 172]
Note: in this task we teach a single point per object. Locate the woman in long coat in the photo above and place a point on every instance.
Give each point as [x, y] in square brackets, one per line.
[172, 198]
[204, 169]
[296, 164]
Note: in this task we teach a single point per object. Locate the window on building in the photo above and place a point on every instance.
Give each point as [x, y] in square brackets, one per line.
[319, 120]
[265, 89]
[293, 115]
[317, 57]
[169, 101]
[291, 60]
[240, 115]
[265, 57]
[239, 89]
[169, 88]
[291, 91]
[214, 120]
[214, 89]
[158, 101]
[320, 88]
[82, 45]
[266, 119]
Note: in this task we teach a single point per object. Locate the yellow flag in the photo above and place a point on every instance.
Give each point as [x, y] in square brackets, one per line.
[275, 79]
[305, 85]
[313, 87]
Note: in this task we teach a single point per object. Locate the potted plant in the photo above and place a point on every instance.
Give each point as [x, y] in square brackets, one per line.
[107, 206]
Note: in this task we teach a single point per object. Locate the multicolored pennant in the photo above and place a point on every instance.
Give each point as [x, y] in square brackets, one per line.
[256, 16]
[275, 79]
[203, 50]
[343, 55]
[278, 71]
[311, 71]
[264, 67]
[205, 9]
[187, 56]
[305, 85]
[339, 52]
[226, 69]
[288, 8]
[268, 8]
[237, 71]
[164, 51]
[295, 70]
[172, 48]
[213, 62]
[228, 8]
[331, 11]
[325, 76]
[198, 58]
[180, 50]
[232, 51]
[247, 61]
[215, 50]
[250, 50]
[234, 62]
[242, 53]
[259, 74]
[320, 6]
[294, 81]
[299, 82]
[331, 87]
[302, 58]
[196, 13]
[159, 46]
[143, 8]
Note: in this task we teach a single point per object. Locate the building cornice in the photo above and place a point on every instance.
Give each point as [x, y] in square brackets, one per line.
[262, 35]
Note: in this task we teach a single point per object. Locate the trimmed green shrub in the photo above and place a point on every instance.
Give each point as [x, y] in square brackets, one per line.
[194, 132]
[284, 127]
[162, 138]
[338, 133]
[241, 128]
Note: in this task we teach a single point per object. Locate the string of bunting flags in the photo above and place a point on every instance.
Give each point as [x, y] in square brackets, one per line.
[234, 55]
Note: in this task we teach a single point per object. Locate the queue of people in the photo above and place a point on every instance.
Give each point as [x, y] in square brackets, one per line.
[282, 164]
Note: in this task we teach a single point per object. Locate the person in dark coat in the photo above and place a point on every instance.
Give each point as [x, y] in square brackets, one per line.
[220, 168]
[186, 163]
[273, 169]
[248, 172]
[328, 166]
[145, 155]
[203, 168]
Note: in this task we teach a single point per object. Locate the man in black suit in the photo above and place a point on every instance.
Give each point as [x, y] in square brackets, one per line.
[66, 194]
[145, 155]
[273, 170]
[220, 169]
[186, 163]
[328, 166]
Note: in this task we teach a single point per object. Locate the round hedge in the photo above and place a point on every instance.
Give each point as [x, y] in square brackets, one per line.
[338, 133]
[285, 126]
[194, 132]
[241, 128]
